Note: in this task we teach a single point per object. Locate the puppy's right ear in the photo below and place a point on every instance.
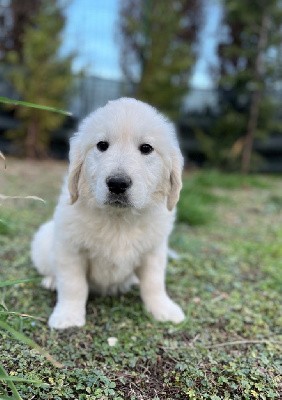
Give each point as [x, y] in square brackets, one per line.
[76, 161]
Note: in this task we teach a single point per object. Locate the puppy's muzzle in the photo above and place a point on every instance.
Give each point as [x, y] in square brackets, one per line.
[118, 184]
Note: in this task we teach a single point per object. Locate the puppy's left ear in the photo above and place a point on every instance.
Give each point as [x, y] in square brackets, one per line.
[76, 161]
[175, 179]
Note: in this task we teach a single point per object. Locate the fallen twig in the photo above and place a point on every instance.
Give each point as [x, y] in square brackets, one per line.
[3, 158]
[242, 342]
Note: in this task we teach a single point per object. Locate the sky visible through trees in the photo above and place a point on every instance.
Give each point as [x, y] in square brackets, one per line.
[100, 55]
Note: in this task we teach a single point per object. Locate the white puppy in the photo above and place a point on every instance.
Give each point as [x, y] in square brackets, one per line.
[115, 213]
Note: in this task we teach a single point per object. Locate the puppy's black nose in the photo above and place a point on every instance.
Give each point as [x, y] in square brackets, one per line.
[118, 184]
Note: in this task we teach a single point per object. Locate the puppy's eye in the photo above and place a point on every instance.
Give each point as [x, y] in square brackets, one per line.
[146, 148]
[102, 146]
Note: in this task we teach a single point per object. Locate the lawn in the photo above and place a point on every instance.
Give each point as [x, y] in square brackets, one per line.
[228, 279]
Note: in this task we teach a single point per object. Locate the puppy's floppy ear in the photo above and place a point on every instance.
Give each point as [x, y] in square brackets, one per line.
[76, 161]
[175, 179]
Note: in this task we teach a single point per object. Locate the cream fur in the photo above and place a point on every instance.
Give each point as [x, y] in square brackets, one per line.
[91, 244]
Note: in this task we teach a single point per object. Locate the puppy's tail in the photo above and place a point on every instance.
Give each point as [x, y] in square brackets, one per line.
[41, 253]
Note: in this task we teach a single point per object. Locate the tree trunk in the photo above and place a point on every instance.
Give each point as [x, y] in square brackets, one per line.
[251, 128]
[31, 140]
[256, 96]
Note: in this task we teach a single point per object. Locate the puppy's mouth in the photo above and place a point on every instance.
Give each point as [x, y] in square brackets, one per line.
[118, 201]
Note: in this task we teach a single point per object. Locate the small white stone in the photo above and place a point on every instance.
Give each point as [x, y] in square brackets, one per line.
[112, 341]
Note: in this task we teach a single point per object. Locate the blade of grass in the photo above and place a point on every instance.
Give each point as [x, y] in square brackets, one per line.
[32, 105]
[16, 395]
[8, 378]
[15, 282]
[3, 197]
[24, 339]
[22, 315]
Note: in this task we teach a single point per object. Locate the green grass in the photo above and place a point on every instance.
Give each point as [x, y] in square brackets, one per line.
[227, 279]
[216, 179]
[5, 227]
[204, 189]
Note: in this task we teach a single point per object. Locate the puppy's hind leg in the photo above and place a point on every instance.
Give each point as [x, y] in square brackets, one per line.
[41, 250]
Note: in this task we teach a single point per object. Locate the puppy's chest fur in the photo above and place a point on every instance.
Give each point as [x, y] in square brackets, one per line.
[116, 245]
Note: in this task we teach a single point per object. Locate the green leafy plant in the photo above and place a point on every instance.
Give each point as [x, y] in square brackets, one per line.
[41, 75]
[164, 61]
[248, 108]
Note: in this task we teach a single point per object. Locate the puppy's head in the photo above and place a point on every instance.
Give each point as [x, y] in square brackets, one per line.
[127, 155]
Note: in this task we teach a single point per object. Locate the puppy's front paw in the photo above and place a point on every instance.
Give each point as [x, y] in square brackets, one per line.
[49, 282]
[62, 318]
[164, 309]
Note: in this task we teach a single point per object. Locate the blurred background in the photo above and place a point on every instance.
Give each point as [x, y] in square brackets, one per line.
[213, 66]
